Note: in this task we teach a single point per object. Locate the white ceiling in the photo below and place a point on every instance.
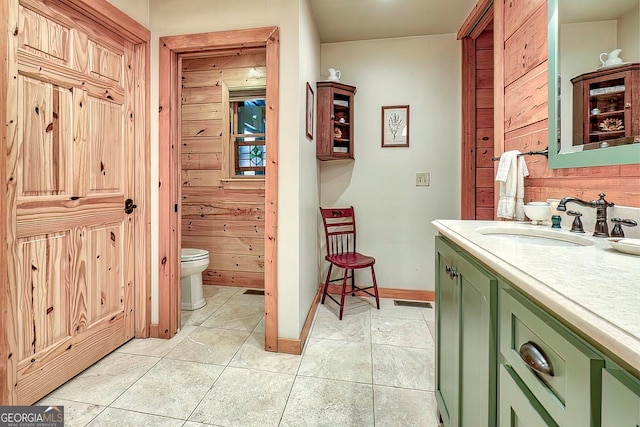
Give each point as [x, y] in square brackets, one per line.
[346, 20]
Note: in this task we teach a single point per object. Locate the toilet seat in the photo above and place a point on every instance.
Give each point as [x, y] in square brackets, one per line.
[190, 254]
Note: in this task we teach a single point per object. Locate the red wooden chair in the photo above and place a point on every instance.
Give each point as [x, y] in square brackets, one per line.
[340, 232]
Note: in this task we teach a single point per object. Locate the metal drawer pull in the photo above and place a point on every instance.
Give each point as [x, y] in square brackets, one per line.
[535, 358]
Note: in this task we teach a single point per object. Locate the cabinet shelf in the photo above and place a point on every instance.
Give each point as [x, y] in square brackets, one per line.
[605, 96]
[335, 103]
[607, 114]
[607, 133]
[619, 102]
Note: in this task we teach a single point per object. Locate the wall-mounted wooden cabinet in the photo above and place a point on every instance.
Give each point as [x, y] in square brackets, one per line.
[606, 106]
[335, 121]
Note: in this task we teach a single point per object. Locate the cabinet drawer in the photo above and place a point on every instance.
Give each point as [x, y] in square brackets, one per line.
[620, 400]
[570, 395]
[518, 407]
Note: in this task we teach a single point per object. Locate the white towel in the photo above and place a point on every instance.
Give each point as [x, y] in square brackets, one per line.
[511, 172]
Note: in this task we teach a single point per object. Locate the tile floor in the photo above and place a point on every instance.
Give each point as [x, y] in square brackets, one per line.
[373, 368]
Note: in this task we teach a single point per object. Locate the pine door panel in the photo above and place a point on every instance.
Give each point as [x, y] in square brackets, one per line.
[105, 157]
[70, 243]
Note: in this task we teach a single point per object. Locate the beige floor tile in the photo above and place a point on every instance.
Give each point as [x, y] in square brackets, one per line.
[245, 397]
[209, 345]
[253, 355]
[246, 299]
[112, 417]
[219, 293]
[401, 332]
[355, 328]
[155, 346]
[238, 317]
[429, 313]
[431, 324]
[389, 309]
[192, 424]
[103, 382]
[260, 326]
[404, 367]
[320, 402]
[352, 306]
[197, 317]
[172, 388]
[338, 360]
[395, 407]
[75, 413]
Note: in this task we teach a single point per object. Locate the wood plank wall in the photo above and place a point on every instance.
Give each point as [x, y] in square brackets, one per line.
[224, 217]
[484, 125]
[524, 32]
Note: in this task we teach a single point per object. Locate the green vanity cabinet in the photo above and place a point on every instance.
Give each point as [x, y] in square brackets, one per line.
[620, 399]
[518, 407]
[483, 322]
[465, 334]
[567, 392]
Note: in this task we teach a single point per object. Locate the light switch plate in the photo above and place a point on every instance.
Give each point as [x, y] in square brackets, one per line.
[423, 179]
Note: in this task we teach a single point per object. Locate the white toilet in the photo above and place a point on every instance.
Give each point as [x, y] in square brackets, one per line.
[194, 262]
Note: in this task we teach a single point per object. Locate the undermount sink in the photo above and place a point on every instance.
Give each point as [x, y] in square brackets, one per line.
[536, 236]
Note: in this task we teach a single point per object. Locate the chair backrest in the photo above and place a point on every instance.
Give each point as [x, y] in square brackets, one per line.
[339, 229]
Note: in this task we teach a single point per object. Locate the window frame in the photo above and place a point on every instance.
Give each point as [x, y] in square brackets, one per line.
[235, 97]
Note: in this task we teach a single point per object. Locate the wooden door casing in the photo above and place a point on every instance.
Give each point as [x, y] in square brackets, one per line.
[72, 136]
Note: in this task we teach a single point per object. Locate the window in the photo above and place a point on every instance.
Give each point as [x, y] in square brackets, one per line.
[248, 122]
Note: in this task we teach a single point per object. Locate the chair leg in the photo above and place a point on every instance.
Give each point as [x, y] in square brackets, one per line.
[353, 282]
[375, 287]
[326, 283]
[344, 289]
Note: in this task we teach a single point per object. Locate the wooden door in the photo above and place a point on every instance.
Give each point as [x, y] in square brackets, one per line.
[477, 145]
[70, 168]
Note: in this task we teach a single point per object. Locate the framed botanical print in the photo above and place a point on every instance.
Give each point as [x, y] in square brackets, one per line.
[310, 111]
[395, 126]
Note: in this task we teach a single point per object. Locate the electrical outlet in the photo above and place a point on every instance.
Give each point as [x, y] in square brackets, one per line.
[423, 179]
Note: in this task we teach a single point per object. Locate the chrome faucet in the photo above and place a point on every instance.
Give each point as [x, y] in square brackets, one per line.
[601, 205]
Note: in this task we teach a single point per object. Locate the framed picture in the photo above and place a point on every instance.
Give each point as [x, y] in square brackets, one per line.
[395, 126]
[310, 113]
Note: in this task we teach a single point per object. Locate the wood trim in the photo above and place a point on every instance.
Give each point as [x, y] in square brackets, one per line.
[468, 196]
[234, 39]
[498, 91]
[478, 11]
[404, 294]
[169, 158]
[271, 193]
[5, 392]
[113, 18]
[292, 346]
[164, 193]
[143, 195]
[154, 331]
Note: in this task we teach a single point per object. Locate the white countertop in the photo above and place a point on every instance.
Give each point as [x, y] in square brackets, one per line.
[595, 289]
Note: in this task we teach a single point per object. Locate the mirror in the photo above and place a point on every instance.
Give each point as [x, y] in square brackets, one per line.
[579, 32]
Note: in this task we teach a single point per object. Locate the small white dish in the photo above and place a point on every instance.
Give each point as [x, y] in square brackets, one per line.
[628, 246]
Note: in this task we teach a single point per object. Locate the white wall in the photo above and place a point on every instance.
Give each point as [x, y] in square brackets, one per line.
[309, 49]
[394, 216]
[629, 36]
[174, 17]
[580, 47]
[136, 9]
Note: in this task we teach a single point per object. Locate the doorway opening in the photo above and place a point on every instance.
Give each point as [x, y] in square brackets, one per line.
[213, 177]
